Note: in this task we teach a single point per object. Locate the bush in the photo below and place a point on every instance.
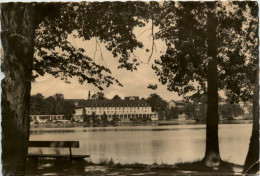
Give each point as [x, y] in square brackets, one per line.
[173, 113]
[200, 112]
[229, 111]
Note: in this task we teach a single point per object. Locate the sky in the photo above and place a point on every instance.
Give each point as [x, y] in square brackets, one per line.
[134, 83]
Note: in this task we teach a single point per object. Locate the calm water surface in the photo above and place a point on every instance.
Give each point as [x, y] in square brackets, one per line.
[149, 144]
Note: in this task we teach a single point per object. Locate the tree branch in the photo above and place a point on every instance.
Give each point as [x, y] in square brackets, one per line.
[143, 32]
[101, 54]
[95, 50]
[138, 58]
[153, 44]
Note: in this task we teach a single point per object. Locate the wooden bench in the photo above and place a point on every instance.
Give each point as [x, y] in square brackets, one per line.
[56, 144]
[53, 144]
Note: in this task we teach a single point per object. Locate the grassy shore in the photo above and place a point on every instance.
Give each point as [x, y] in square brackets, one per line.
[109, 167]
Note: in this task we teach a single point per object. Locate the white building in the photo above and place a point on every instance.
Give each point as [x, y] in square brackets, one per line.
[45, 118]
[75, 101]
[123, 109]
[173, 104]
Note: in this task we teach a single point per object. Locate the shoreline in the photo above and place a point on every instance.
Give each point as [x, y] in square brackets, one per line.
[129, 124]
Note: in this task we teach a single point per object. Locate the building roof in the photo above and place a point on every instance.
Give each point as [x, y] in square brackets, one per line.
[115, 103]
[178, 103]
[74, 100]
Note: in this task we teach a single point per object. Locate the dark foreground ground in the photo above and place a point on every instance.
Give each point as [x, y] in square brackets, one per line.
[67, 167]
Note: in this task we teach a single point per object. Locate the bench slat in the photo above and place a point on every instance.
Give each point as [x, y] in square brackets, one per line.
[55, 144]
[57, 156]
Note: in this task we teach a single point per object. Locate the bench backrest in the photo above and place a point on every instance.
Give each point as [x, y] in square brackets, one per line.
[54, 144]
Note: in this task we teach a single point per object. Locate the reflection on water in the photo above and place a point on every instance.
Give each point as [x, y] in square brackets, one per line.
[149, 144]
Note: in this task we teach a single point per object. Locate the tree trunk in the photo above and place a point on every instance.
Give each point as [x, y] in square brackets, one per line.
[212, 156]
[252, 160]
[18, 44]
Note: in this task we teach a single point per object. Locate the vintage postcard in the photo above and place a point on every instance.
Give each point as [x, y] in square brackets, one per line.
[130, 88]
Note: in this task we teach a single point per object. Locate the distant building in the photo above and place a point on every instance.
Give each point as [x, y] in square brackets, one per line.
[178, 104]
[132, 98]
[75, 101]
[45, 118]
[130, 107]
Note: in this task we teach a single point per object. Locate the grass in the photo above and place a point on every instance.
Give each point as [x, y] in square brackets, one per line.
[195, 166]
[106, 162]
[198, 165]
[110, 166]
[201, 166]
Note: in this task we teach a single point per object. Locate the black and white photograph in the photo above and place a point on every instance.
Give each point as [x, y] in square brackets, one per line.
[130, 88]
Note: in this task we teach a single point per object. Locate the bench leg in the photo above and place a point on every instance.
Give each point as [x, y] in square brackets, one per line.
[32, 164]
[70, 153]
[78, 166]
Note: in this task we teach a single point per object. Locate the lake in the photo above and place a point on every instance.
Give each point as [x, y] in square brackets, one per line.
[149, 144]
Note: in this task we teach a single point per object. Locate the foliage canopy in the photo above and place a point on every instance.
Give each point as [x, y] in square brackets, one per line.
[182, 25]
[184, 29]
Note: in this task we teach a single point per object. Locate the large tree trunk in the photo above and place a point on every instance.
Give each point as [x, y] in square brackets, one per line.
[252, 160]
[19, 21]
[18, 44]
[212, 156]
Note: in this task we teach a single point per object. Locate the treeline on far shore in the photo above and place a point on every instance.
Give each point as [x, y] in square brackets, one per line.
[52, 105]
[194, 107]
[198, 112]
